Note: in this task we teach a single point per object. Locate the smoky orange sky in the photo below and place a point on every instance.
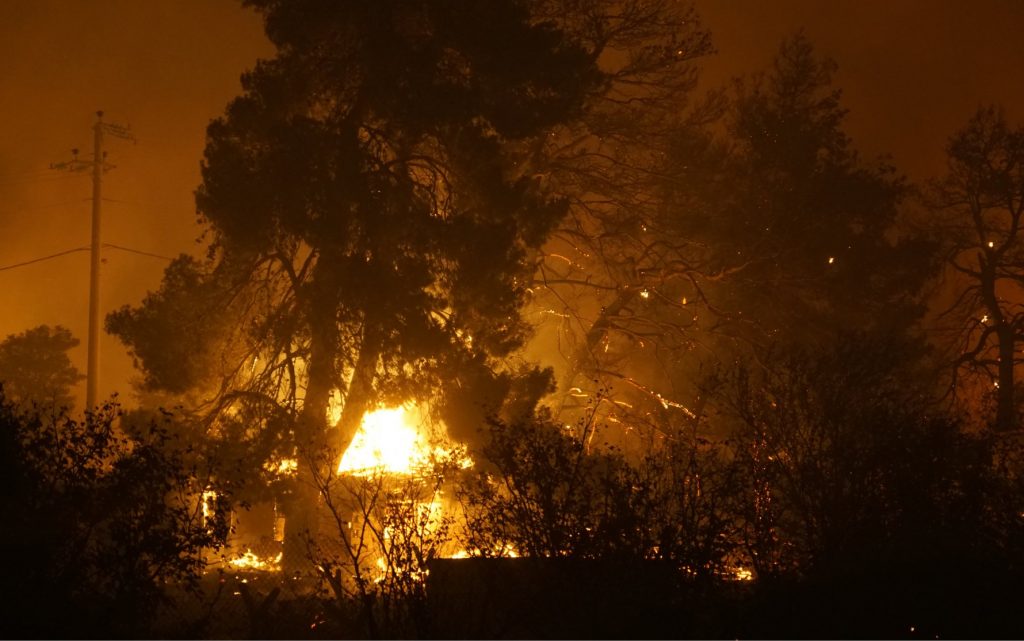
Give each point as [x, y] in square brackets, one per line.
[911, 71]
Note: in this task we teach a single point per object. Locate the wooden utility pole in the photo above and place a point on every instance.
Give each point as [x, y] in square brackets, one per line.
[98, 165]
[93, 371]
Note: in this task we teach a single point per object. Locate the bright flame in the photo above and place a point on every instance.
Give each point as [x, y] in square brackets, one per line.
[250, 561]
[282, 467]
[387, 441]
[287, 466]
[506, 550]
[209, 497]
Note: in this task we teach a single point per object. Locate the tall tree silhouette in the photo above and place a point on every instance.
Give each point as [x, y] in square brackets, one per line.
[761, 225]
[370, 227]
[812, 221]
[977, 213]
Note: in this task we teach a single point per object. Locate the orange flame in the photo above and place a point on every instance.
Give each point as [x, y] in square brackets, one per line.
[388, 441]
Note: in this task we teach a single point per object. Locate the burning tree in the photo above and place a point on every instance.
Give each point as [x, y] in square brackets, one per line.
[370, 224]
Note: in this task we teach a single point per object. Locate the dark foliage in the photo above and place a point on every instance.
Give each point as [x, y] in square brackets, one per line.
[869, 503]
[541, 492]
[849, 457]
[97, 525]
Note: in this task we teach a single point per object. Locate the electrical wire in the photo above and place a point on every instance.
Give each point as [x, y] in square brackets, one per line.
[21, 209]
[84, 249]
[41, 180]
[41, 259]
[137, 251]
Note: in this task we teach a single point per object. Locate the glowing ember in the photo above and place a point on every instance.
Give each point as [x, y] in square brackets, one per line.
[250, 561]
[387, 441]
[507, 551]
[284, 466]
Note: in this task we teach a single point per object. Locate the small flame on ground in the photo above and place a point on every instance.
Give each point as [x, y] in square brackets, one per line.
[507, 551]
[250, 561]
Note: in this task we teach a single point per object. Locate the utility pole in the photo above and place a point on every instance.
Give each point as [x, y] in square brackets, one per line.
[98, 165]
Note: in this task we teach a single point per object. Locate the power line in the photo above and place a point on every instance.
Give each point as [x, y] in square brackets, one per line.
[138, 251]
[84, 249]
[41, 171]
[41, 259]
[26, 208]
[38, 180]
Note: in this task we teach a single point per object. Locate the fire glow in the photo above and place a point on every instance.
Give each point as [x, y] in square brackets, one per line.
[250, 561]
[388, 441]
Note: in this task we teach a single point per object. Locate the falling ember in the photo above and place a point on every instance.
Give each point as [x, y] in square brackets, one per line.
[831, 259]
[387, 441]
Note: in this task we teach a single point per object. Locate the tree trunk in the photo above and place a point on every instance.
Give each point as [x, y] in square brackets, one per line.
[1006, 410]
[1005, 407]
[314, 458]
[360, 392]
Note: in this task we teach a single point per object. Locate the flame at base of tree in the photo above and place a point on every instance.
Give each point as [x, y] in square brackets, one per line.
[391, 441]
[388, 441]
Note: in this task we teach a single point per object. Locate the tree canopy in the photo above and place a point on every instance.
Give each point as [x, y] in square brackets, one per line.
[35, 370]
